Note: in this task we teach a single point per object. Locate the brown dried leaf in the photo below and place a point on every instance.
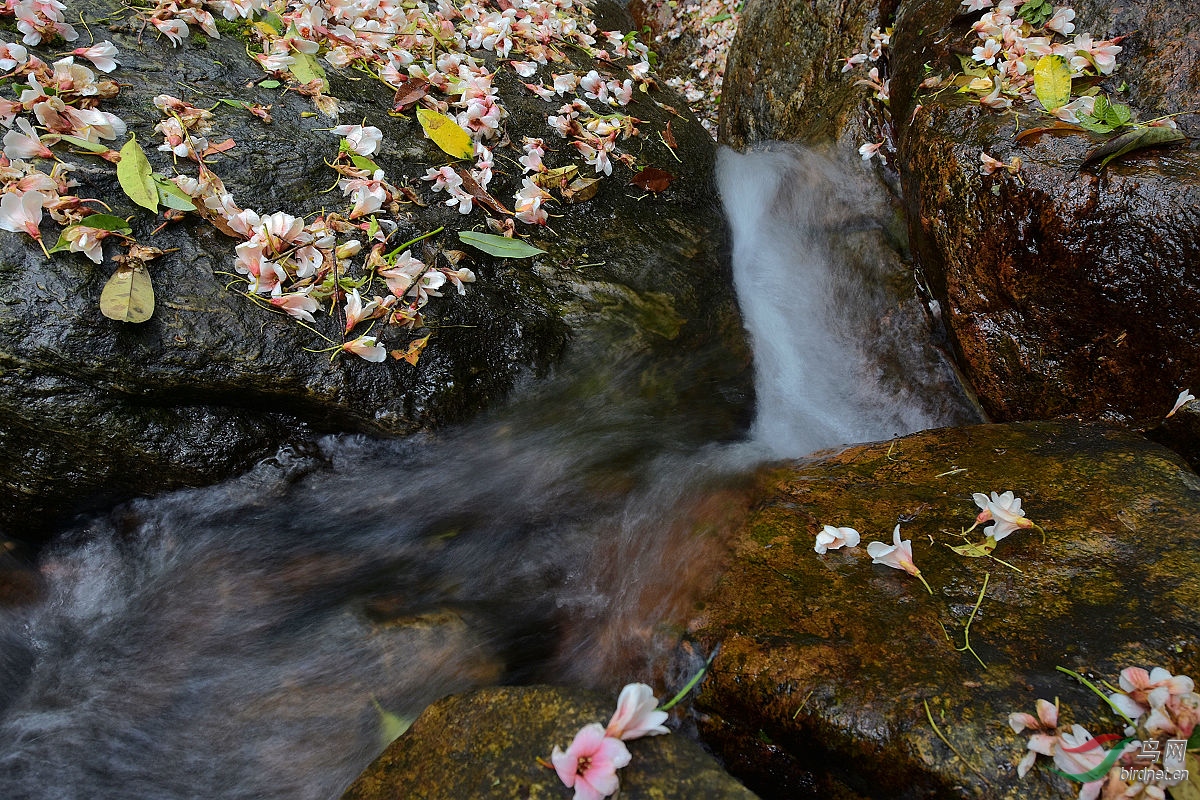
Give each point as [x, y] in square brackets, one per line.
[669, 137]
[412, 196]
[1055, 128]
[653, 179]
[581, 189]
[412, 91]
[479, 193]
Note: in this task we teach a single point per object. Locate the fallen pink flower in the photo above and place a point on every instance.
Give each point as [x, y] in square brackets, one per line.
[897, 556]
[637, 714]
[590, 764]
[831, 538]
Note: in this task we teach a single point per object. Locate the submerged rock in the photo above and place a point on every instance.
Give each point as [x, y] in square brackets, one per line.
[633, 292]
[487, 744]
[826, 661]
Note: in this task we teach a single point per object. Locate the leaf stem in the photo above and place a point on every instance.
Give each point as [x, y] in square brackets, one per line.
[690, 685]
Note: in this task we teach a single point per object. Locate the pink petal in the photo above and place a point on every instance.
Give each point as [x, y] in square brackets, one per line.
[1047, 713]
[1019, 722]
[1134, 678]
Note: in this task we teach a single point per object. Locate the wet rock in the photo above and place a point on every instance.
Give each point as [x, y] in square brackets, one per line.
[1070, 290]
[783, 78]
[1181, 433]
[825, 661]
[486, 744]
[632, 292]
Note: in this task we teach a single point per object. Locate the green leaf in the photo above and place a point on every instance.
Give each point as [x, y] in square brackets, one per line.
[273, 21]
[1094, 125]
[172, 196]
[372, 227]
[446, 133]
[1115, 114]
[133, 173]
[306, 69]
[1052, 82]
[391, 726]
[270, 83]
[84, 144]
[1136, 139]
[1194, 743]
[128, 296]
[362, 162]
[106, 222]
[499, 246]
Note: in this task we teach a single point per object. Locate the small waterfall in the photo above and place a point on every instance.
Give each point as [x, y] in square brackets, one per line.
[233, 641]
[841, 347]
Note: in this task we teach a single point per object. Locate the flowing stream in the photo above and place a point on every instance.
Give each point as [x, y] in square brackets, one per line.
[238, 641]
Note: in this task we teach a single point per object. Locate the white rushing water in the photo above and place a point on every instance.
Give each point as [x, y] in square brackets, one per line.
[232, 642]
[840, 355]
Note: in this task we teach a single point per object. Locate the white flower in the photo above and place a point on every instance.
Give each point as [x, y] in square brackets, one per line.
[362, 140]
[1061, 21]
[1184, 398]
[831, 538]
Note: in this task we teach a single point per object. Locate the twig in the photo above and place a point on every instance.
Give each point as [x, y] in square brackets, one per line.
[953, 749]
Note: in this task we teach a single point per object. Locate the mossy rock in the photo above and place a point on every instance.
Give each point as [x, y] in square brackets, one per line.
[486, 744]
[825, 662]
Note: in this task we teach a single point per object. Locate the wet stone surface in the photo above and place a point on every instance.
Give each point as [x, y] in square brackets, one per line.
[98, 410]
[486, 744]
[825, 661]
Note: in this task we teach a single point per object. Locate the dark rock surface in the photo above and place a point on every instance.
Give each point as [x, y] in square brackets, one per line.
[1071, 291]
[783, 78]
[486, 744]
[825, 660]
[1065, 291]
[632, 292]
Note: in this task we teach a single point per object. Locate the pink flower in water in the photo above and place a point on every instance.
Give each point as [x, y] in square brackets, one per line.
[362, 140]
[897, 556]
[637, 714]
[297, 304]
[590, 764]
[23, 213]
[1184, 398]
[831, 538]
[1042, 742]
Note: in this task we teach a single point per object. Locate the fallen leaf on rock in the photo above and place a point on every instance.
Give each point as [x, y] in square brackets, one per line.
[653, 179]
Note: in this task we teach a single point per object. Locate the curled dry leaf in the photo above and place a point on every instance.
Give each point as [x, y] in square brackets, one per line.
[473, 188]
[581, 189]
[412, 91]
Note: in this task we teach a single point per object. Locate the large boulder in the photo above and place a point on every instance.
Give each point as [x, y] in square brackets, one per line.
[826, 661]
[783, 73]
[488, 743]
[632, 292]
[1067, 290]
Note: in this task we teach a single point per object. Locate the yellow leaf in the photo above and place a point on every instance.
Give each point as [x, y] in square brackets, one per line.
[128, 296]
[133, 173]
[446, 134]
[553, 178]
[1052, 82]
[1189, 789]
[414, 350]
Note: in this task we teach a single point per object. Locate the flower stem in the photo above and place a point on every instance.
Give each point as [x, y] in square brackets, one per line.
[1099, 693]
[953, 749]
[667, 706]
[967, 630]
[921, 578]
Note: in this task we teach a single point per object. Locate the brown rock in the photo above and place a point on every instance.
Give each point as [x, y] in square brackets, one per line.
[825, 661]
[783, 78]
[486, 744]
[1070, 290]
